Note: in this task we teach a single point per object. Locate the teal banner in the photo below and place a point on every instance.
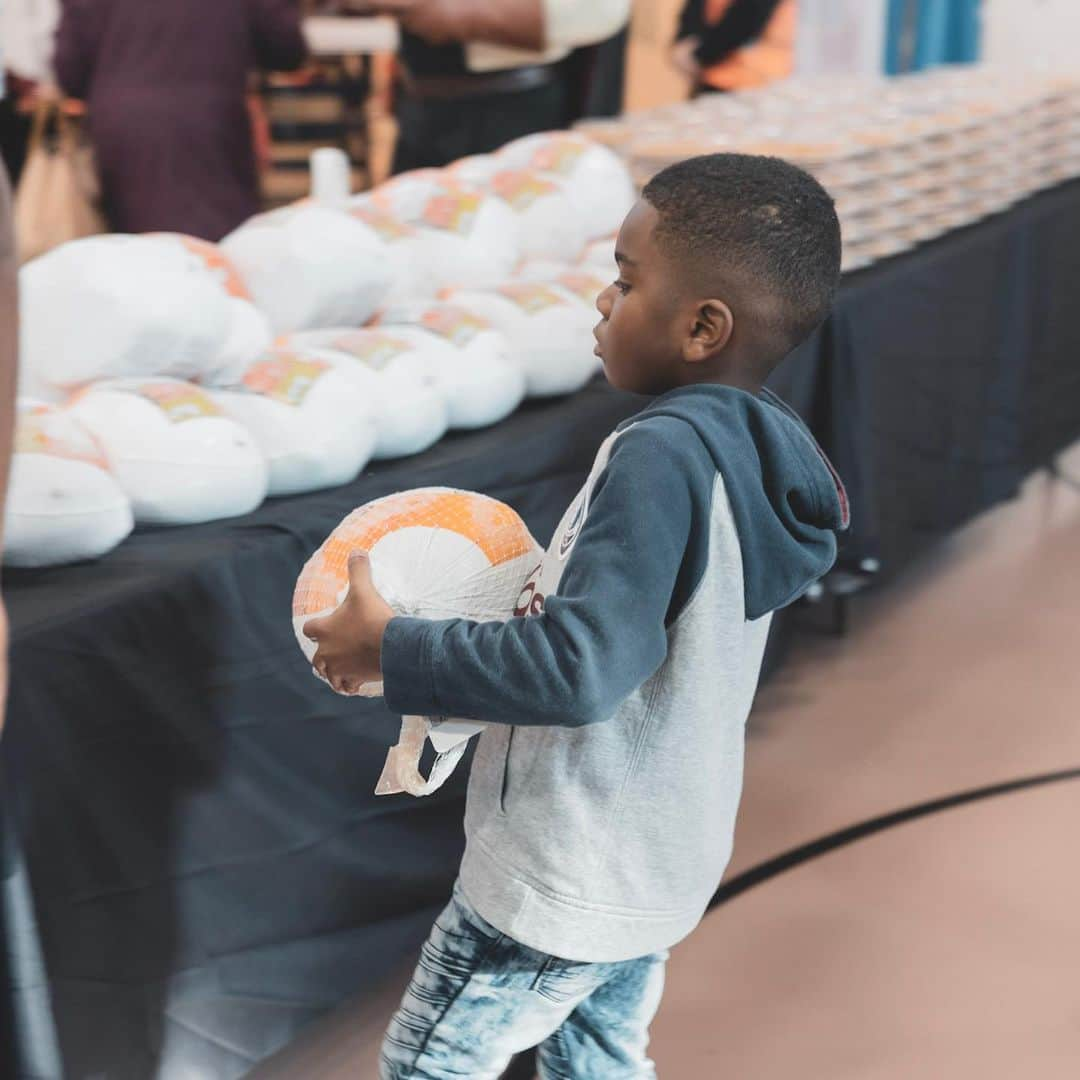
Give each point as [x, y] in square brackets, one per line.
[924, 33]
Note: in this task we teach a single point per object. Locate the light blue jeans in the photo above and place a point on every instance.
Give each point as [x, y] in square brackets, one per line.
[478, 997]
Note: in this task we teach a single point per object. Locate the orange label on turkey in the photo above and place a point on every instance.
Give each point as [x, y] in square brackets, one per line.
[284, 378]
[492, 526]
[386, 225]
[530, 297]
[558, 156]
[521, 189]
[453, 323]
[178, 401]
[372, 347]
[217, 263]
[453, 211]
[587, 286]
[42, 430]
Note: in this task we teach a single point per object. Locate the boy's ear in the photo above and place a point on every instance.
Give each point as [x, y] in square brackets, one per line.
[713, 325]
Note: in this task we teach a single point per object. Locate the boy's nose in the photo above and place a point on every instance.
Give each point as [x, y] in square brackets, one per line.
[604, 301]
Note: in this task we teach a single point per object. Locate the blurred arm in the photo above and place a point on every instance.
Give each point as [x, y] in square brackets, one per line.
[532, 26]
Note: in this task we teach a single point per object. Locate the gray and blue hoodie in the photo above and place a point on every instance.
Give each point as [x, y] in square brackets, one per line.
[602, 802]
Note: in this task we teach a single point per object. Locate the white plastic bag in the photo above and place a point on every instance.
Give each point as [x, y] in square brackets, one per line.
[552, 226]
[249, 333]
[584, 284]
[311, 267]
[311, 421]
[541, 269]
[464, 236]
[600, 255]
[63, 506]
[476, 169]
[112, 306]
[404, 248]
[435, 553]
[178, 457]
[408, 408]
[465, 357]
[549, 331]
[596, 178]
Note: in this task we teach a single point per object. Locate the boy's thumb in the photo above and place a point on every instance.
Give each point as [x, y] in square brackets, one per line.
[360, 572]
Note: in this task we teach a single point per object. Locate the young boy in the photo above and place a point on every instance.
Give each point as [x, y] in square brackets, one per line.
[602, 800]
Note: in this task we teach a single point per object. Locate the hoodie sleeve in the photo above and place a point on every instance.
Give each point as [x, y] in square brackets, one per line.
[600, 636]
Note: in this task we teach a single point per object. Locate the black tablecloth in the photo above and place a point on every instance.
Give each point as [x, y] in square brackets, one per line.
[952, 372]
[208, 865]
[194, 864]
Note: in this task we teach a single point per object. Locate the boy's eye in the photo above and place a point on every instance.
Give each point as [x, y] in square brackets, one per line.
[622, 286]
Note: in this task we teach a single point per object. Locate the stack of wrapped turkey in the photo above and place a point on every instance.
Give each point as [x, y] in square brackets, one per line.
[310, 340]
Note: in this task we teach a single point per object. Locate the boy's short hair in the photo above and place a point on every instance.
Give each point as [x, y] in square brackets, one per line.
[761, 215]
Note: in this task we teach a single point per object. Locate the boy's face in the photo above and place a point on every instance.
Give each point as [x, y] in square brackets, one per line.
[638, 339]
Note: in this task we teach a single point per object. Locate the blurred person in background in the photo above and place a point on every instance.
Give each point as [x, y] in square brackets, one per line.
[480, 73]
[9, 340]
[166, 85]
[26, 33]
[728, 45]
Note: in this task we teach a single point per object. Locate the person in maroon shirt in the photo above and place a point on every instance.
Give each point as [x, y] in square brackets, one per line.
[166, 85]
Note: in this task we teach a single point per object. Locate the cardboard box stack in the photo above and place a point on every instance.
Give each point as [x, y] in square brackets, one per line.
[907, 159]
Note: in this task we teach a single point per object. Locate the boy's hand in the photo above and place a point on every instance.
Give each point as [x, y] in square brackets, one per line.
[350, 639]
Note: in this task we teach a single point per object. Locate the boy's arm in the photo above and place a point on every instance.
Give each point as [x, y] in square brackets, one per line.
[601, 635]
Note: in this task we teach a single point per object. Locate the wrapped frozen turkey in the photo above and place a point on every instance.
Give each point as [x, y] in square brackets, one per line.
[476, 169]
[584, 284]
[175, 453]
[312, 423]
[111, 306]
[549, 331]
[599, 255]
[311, 266]
[404, 247]
[435, 553]
[597, 180]
[551, 224]
[408, 408]
[541, 269]
[249, 333]
[464, 236]
[63, 505]
[466, 357]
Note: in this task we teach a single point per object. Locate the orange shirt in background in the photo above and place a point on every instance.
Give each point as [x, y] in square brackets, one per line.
[769, 58]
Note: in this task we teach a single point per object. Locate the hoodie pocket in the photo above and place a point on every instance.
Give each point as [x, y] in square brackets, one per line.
[525, 751]
[506, 770]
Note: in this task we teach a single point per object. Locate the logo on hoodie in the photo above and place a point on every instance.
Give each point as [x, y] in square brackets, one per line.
[573, 530]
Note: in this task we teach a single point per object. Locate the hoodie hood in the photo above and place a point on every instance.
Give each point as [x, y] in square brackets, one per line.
[786, 499]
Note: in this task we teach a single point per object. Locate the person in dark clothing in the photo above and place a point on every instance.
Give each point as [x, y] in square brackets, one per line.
[9, 365]
[711, 32]
[480, 73]
[166, 85]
